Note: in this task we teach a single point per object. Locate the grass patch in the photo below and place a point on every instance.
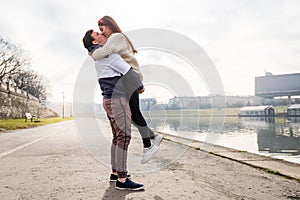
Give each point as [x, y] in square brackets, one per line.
[13, 124]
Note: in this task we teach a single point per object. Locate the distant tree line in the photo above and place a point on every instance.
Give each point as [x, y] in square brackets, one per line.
[207, 102]
[15, 70]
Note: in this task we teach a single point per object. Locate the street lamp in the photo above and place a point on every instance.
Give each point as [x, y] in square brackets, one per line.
[58, 104]
[63, 105]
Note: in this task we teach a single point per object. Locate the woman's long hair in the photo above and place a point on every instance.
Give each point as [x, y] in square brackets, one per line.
[111, 23]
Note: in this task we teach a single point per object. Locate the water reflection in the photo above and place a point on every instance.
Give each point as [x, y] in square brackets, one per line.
[274, 136]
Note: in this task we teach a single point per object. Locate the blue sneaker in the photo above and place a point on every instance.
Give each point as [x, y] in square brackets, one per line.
[129, 185]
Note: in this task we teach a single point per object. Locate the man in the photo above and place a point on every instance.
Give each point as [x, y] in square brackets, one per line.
[117, 42]
[151, 141]
[117, 80]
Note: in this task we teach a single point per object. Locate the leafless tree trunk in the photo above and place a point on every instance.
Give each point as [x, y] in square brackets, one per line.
[14, 70]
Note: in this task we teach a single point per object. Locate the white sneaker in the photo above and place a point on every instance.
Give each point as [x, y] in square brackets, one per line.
[157, 139]
[149, 153]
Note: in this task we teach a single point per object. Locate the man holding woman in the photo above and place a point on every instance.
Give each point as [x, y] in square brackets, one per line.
[116, 79]
[117, 42]
[120, 84]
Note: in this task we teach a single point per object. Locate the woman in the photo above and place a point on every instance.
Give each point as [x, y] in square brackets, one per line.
[117, 42]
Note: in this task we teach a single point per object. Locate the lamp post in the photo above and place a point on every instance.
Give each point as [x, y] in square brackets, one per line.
[63, 105]
[58, 104]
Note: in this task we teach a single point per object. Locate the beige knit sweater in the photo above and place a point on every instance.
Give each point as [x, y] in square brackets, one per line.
[118, 43]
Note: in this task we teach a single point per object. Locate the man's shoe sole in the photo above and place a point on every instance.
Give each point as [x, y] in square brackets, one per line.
[131, 189]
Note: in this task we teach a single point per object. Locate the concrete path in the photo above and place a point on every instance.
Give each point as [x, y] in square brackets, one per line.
[50, 162]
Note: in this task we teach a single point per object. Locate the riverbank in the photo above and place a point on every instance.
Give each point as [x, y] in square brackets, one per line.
[276, 137]
[271, 165]
[229, 112]
[49, 162]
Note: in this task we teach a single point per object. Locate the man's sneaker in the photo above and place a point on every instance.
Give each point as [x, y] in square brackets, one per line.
[114, 178]
[157, 139]
[129, 185]
[149, 153]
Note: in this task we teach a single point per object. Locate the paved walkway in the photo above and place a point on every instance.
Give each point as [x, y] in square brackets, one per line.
[51, 163]
[272, 165]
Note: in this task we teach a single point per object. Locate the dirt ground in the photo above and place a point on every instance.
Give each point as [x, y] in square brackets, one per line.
[50, 163]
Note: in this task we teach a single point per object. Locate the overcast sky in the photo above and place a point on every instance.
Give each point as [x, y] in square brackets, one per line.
[244, 38]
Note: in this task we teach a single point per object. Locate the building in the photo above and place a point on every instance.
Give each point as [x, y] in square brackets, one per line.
[257, 111]
[146, 104]
[271, 86]
[293, 110]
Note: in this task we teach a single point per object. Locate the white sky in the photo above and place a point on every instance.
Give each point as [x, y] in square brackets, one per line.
[242, 37]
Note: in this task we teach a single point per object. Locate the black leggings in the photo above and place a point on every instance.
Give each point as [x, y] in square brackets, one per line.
[139, 121]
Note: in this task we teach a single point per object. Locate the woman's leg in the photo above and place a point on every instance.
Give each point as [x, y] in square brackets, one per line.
[139, 121]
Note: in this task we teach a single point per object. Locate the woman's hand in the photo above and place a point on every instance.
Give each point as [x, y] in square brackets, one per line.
[141, 90]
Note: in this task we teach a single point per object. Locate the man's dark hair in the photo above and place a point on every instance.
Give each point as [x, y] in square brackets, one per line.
[88, 39]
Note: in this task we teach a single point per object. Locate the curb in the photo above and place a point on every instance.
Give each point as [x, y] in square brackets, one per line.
[271, 165]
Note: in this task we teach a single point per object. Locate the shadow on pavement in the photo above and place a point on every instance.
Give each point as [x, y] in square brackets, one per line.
[158, 198]
[112, 193]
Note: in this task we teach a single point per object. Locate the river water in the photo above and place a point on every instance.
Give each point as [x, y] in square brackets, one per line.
[274, 137]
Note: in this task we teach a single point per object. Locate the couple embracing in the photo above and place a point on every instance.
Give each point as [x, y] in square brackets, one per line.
[120, 80]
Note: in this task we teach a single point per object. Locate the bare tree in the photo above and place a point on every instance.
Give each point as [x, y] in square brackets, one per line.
[31, 82]
[14, 69]
[12, 60]
[36, 86]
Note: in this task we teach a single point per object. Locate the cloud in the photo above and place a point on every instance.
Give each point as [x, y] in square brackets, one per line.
[243, 37]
